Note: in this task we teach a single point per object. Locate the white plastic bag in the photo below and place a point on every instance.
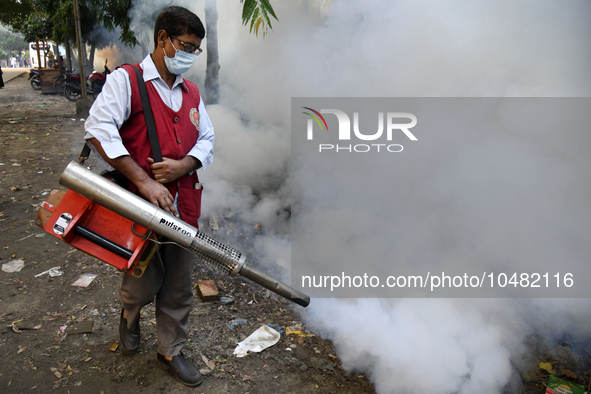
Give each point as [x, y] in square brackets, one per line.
[258, 341]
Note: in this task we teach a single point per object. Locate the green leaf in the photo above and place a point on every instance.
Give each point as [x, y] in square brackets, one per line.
[268, 8]
[257, 13]
[255, 16]
[247, 10]
[257, 25]
[264, 12]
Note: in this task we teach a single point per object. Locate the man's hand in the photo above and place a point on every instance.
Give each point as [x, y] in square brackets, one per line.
[169, 170]
[158, 195]
[152, 190]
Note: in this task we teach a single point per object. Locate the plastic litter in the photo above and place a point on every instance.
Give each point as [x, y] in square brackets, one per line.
[226, 300]
[560, 386]
[276, 327]
[55, 272]
[84, 280]
[52, 272]
[299, 333]
[236, 322]
[13, 266]
[261, 339]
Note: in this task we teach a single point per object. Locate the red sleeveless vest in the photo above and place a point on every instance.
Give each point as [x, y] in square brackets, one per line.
[177, 134]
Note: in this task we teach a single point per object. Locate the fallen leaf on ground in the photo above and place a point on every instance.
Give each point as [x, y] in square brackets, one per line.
[209, 363]
[569, 373]
[548, 367]
[205, 371]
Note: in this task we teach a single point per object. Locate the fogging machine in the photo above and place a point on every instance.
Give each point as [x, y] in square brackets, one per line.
[116, 226]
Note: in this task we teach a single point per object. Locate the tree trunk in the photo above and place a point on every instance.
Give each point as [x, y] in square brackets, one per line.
[212, 84]
[88, 58]
[68, 53]
[82, 55]
[91, 59]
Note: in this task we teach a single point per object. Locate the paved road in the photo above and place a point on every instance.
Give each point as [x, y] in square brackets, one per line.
[10, 73]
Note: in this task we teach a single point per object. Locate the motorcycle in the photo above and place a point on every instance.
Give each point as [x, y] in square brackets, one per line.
[58, 82]
[35, 79]
[94, 84]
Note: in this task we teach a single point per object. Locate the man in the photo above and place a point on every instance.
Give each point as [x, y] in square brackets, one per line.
[50, 58]
[116, 129]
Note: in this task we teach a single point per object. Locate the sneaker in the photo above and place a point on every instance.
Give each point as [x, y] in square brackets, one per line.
[130, 339]
[181, 369]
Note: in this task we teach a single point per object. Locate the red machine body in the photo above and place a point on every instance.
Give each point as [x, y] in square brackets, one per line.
[97, 231]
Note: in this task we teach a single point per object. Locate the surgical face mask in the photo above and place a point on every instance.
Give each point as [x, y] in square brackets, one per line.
[181, 62]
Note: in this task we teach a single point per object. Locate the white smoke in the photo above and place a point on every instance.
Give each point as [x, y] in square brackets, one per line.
[499, 48]
[418, 346]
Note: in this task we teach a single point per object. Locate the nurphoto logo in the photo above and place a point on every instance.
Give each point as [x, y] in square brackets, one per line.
[393, 125]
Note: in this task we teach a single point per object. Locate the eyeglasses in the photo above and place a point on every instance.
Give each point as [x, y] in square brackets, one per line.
[189, 48]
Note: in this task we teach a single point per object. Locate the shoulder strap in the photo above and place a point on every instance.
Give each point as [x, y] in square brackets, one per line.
[149, 116]
[84, 154]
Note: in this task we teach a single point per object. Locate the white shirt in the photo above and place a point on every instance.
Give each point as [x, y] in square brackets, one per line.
[113, 106]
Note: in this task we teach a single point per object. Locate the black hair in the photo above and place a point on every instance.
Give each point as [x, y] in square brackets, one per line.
[177, 21]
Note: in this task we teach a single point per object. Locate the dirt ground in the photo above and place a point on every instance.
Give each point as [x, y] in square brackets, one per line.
[39, 135]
